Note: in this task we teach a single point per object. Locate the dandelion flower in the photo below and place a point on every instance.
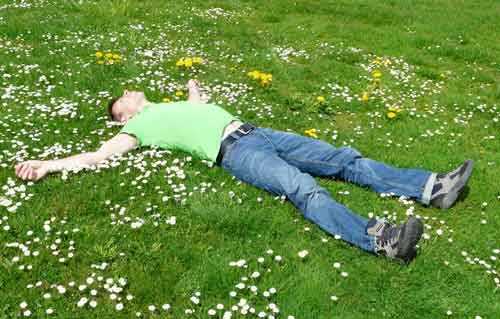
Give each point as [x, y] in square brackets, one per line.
[188, 62]
[254, 75]
[376, 74]
[365, 97]
[311, 133]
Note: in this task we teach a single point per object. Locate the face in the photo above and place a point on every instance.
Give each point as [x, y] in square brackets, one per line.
[128, 105]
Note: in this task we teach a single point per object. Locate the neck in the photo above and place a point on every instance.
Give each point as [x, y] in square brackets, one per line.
[142, 105]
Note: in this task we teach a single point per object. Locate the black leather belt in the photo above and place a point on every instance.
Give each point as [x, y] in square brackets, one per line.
[242, 130]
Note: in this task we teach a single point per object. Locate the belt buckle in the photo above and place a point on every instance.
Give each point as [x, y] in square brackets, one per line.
[244, 132]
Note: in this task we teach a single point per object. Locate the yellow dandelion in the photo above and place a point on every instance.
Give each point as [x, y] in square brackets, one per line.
[392, 109]
[391, 115]
[166, 100]
[100, 61]
[320, 99]
[365, 96]
[179, 93]
[267, 76]
[254, 74]
[116, 56]
[180, 62]
[188, 62]
[111, 61]
[98, 54]
[376, 74]
[311, 133]
[197, 60]
[108, 55]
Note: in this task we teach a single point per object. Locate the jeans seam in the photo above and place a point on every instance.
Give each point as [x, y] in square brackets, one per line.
[268, 139]
[308, 161]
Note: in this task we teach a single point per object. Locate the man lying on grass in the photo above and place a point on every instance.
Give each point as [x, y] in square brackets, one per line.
[281, 163]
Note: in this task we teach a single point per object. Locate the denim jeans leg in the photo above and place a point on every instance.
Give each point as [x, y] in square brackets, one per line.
[323, 159]
[253, 160]
[384, 178]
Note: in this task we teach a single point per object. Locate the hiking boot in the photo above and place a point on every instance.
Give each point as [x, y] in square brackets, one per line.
[396, 242]
[448, 186]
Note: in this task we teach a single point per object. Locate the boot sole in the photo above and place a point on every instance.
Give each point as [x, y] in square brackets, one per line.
[452, 196]
[410, 236]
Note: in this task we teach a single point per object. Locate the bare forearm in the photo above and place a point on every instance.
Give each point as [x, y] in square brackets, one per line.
[35, 170]
[72, 162]
[194, 97]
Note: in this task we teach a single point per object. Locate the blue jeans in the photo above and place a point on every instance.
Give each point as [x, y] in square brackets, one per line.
[284, 164]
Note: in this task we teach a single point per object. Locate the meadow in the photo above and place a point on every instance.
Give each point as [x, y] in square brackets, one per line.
[163, 234]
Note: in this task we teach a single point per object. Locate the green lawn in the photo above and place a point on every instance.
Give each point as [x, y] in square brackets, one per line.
[83, 243]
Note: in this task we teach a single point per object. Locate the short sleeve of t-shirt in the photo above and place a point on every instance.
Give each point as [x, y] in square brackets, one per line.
[132, 128]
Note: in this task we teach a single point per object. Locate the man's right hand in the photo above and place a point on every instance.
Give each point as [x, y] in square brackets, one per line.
[32, 170]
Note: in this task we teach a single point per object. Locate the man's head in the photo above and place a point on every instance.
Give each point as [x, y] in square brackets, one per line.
[122, 108]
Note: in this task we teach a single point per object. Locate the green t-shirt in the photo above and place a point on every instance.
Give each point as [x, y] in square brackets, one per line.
[196, 128]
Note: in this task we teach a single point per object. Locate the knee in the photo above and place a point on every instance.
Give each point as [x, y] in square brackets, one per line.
[304, 189]
[350, 154]
[299, 183]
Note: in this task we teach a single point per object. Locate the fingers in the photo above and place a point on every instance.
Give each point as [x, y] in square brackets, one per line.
[27, 172]
[19, 166]
[23, 170]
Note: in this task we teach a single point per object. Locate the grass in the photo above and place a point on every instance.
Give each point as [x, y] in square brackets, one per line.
[447, 46]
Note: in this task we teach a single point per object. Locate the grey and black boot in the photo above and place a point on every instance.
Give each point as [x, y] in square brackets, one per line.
[396, 242]
[448, 186]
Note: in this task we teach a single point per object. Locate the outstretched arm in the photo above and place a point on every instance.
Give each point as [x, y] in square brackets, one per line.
[35, 170]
